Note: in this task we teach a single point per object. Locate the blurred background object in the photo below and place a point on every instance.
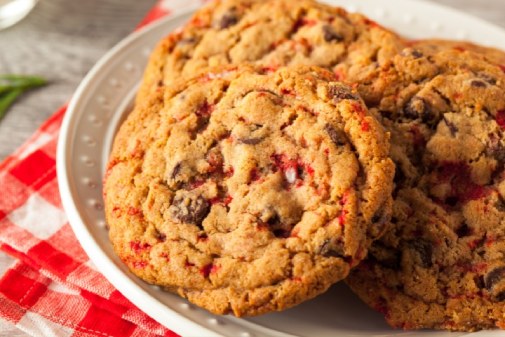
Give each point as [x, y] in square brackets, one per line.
[12, 11]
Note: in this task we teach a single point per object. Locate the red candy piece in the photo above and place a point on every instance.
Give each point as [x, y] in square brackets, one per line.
[500, 118]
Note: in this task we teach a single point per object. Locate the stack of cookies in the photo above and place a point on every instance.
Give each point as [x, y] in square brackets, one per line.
[278, 147]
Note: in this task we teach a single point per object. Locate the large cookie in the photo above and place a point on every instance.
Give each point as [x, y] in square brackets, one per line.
[248, 190]
[272, 33]
[443, 263]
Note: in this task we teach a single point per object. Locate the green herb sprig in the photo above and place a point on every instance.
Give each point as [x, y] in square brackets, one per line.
[13, 86]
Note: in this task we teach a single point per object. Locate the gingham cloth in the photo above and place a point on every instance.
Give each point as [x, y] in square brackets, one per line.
[50, 287]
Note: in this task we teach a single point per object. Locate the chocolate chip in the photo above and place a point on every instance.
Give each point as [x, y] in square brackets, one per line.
[424, 249]
[479, 281]
[500, 297]
[452, 127]
[251, 141]
[379, 216]
[412, 52]
[275, 224]
[330, 34]
[281, 233]
[451, 201]
[416, 53]
[189, 208]
[478, 84]
[162, 237]
[392, 262]
[339, 93]
[176, 170]
[400, 177]
[274, 220]
[417, 108]
[498, 152]
[500, 204]
[337, 137]
[201, 124]
[228, 19]
[495, 147]
[494, 277]
[463, 231]
[379, 220]
[487, 78]
[329, 249]
[385, 256]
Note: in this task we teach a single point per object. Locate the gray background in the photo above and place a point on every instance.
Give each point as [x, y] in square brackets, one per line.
[62, 39]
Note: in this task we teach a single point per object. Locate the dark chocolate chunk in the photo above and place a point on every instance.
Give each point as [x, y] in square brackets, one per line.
[176, 170]
[500, 297]
[251, 141]
[479, 281]
[463, 231]
[499, 154]
[339, 93]
[281, 233]
[478, 84]
[417, 108]
[275, 224]
[493, 277]
[274, 221]
[416, 53]
[229, 19]
[400, 177]
[336, 136]
[451, 201]
[500, 204]
[385, 256]
[189, 208]
[379, 220]
[162, 237]
[330, 34]
[424, 249]
[379, 217]
[329, 249]
[412, 52]
[201, 125]
[487, 78]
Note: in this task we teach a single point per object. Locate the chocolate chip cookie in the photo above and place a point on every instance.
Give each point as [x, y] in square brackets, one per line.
[246, 189]
[272, 33]
[442, 264]
[493, 55]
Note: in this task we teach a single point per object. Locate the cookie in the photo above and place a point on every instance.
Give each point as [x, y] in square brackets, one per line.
[493, 55]
[248, 190]
[442, 264]
[272, 33]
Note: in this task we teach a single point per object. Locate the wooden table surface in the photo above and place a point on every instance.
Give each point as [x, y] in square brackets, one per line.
[62, 39]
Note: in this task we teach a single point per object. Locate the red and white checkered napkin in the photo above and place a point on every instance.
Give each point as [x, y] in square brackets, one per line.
[52, 288]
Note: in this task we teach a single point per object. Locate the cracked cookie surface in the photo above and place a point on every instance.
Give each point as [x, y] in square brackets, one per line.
[442, 264]
[272, 33]
[248, 190]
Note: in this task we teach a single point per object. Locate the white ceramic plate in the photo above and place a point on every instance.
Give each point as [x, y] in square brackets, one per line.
[96, 110]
